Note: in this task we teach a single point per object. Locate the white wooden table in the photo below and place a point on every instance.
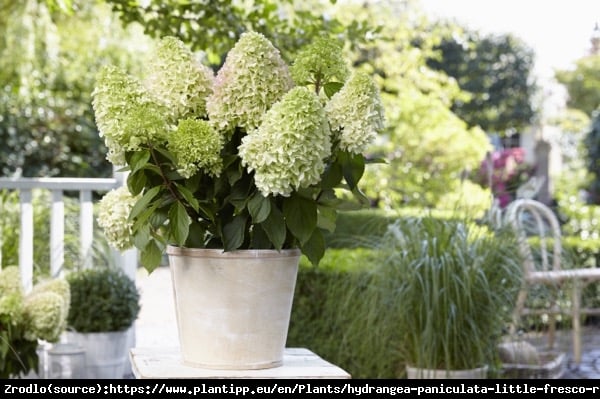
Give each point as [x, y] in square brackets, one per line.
[160, 363]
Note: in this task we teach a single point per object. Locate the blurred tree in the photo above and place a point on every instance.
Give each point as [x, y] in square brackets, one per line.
[583, 84]
[592, 142]
[428, 148]
[215, 26]
[496, 70]
[47, 66]
[50, 51]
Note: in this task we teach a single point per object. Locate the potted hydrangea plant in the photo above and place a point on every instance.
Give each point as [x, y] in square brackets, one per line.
[252, 160]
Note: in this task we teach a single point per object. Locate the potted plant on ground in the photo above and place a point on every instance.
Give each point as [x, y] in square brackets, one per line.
[450, 285]
[26, 319]
[105, 304]
[250, 163]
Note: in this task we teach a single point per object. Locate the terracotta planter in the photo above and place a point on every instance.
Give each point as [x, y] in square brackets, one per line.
[233, 308]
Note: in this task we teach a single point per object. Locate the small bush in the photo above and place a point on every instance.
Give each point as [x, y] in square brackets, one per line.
[103, 299]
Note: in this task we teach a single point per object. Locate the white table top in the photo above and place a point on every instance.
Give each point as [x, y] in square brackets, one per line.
[160, 363]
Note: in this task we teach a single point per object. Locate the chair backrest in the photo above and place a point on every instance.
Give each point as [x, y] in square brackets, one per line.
[531, 218]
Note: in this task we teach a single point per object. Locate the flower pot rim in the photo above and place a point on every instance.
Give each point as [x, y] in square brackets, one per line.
[173, 250]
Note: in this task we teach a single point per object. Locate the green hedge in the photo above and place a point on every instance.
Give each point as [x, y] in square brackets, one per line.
[331, 317]
[359, 228]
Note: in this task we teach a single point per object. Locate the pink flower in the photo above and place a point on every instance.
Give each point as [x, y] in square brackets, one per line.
[509, 171]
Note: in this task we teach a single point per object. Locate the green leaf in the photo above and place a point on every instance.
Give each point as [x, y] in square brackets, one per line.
[143, 202]
[166, 154]
[141, 238]
[327, 218]
[274, 226]
[179, 223]
[136, 182]
[331, 88]
[188, 196]
[154, 169]
[151, 256]
[207, 209]
[314, 248]
[143, 217]
[233, 233]
[376, 160]
[259, 207]
[300, 216]
[332, 176]
[139, 159]
[363, 200]
[260, 239]
[353, 167]
[328, 198]
[196, 236]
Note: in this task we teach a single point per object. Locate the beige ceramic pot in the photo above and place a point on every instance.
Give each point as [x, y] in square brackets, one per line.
[233, 308]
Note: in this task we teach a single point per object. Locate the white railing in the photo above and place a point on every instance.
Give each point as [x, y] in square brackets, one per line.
[57, 186]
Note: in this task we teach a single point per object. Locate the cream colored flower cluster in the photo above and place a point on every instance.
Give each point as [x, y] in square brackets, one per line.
[126, 115]
[41, 314]
[356, 113]
[324, 56]
[252, 79]
[113, 217]
[287, 150]
[179, 81]
[197, 146]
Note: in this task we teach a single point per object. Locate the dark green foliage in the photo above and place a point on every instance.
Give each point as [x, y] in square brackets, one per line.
[592, 143]
[354, 229]
[330, 315]
[18, 356]
[362, 228]
[496, 70]
[103, 299]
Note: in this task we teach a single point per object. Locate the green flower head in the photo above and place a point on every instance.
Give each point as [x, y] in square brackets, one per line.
[10, 280]
[178, 80]
[196, 145]
[126, 115]
[253, 77]
[11, 294]
[287, 150]
[355, 113]
[58, 286]
[320, 62]
[44, 315]
[113, 217]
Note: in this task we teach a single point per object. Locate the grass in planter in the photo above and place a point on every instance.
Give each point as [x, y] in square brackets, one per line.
[449, 287]
[350, 309]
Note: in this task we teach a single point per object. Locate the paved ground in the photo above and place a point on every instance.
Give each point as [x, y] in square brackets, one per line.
[156, 325]
[590, 362]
